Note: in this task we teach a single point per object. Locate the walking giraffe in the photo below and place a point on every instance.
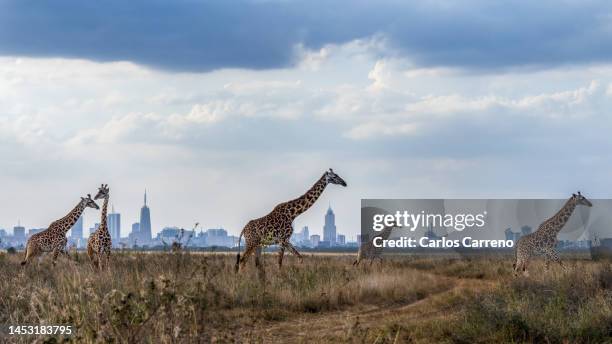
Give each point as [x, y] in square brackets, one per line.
[368, 250]
[543, 240]
[99, 243]
[276, 227]
[53, 239]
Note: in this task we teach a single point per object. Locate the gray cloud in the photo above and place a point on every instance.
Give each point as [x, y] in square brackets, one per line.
[208, 35]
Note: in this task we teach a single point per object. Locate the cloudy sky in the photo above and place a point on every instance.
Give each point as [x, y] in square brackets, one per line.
[222, 109]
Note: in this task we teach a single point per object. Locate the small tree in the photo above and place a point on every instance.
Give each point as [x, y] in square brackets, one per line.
[177, 245]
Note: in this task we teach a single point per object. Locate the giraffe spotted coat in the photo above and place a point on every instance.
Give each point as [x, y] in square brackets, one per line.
[544, 239]
[99, 244]
[53, 239]
[276, 227]
[367, 250]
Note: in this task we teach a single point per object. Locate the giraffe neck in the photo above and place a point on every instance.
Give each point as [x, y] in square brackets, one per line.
[104, 220]
[385, 233]
[561, 217]
[71, 218]
[302, 203]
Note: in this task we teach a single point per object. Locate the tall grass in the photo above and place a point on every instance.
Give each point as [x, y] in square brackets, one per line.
[181, 297]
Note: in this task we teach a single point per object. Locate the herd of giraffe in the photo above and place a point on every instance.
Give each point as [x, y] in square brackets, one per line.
[53, 239]
[276, 228]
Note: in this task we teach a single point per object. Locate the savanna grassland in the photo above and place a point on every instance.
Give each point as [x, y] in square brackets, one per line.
[197, 298]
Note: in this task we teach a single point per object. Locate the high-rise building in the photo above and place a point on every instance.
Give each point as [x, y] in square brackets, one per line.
[33, 231]
[341, 239]
[145, 222]
[114, 225]
[218, 237]
[76, 232]
[19, 233]
[133, 237]
[329, 230]
[315, 240]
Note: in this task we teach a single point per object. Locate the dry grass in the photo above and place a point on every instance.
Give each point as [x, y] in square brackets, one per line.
[185, 298]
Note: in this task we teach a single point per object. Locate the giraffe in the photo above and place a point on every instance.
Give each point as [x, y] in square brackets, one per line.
[53, 239]
[276, 227]
[99, 243]
[544, 239]
[368, 250]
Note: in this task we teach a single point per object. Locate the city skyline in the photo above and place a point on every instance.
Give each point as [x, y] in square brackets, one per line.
[114, 224]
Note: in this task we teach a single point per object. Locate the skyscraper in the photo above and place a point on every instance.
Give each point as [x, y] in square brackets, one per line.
[114, 225]
[76, 232]
[19, 233]
[145, 222]
[329, 230]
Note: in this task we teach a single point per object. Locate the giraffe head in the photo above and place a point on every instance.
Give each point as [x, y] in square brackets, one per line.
[103, 192]
[88, 202]
[331, 177]
[581, 200]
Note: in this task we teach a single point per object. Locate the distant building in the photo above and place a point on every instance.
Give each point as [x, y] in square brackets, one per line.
[315, 240]
[606, 242]
[514, 236]
[525, 230]
[510, 235]
[574, 245]
[19, 233]
[145, 222]
[76, 232]
[301, 238]
[431, 234]
[168, 235]
[133, 237]
[329, 229]
[341, 240]
[114, 225]
[218, 237]
[33, 231]
[135, 228]
[324, 244]
[305, 234]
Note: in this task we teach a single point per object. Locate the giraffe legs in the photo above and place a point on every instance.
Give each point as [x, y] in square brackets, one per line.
[521, 265]
[103, 258]
[295, 251]
[552, 255]
[56, 253]
[281, 253]
[258, 258]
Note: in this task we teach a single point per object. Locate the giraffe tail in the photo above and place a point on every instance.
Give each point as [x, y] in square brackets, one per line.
[25, 256]
[237, 267]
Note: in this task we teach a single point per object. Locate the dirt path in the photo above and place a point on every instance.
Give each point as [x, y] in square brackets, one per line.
[313, 327]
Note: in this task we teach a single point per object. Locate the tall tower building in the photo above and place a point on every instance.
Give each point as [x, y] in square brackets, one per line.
[19, 233]
[114, 225]
[76, 232]
[145, 222]
[329, 230]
